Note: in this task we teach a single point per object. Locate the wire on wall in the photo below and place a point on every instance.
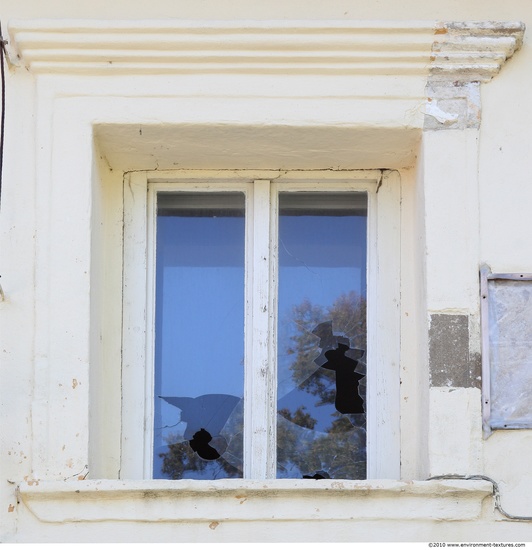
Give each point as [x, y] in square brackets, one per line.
[496, 493]
[2, 120]
[3, 54]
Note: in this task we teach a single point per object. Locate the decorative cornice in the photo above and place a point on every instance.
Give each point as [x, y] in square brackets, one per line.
[473, 51]
[464, 52]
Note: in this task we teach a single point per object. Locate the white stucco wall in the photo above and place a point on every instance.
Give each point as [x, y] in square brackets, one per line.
[465, 201]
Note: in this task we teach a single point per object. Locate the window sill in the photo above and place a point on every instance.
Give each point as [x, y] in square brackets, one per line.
[239, 500]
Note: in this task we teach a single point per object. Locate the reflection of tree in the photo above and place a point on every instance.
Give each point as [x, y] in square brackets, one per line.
[348, 315]
[342, 452]
[289, 438]
[181, 459]
[300, 417]
[341, 449]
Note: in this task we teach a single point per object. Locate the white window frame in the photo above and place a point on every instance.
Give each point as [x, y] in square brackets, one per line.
[261, 189]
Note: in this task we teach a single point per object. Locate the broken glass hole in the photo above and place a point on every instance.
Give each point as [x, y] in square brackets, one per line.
[210, 443]
[200, 445]
[321, 474]
[333, 357]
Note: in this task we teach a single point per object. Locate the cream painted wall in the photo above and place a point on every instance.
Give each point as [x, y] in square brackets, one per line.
[489, 10]
[441, 430]
[505, 198]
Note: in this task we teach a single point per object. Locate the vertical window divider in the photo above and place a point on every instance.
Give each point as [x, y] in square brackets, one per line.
[273, 288]
[259, 416]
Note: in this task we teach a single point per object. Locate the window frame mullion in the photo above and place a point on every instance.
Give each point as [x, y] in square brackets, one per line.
[260, 387]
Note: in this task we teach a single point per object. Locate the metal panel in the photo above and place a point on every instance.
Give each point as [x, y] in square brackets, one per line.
[506, 311]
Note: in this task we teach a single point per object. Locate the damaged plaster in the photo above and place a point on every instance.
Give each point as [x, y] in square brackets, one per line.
[452, 105]
[464, 55]
[451, 362]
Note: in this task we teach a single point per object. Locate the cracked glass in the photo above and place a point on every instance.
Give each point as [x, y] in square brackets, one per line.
[199, 344]
[321, 409]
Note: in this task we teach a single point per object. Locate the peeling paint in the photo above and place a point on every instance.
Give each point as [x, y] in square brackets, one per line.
[31, 481]
[495, 41]
[441, 116]
[452, 105]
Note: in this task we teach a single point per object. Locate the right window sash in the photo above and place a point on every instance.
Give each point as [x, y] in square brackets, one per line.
[321, 367]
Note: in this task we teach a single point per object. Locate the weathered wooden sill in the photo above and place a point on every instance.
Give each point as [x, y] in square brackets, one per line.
[239, 500]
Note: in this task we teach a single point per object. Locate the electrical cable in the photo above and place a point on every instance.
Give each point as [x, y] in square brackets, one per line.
[2, 121]
[3, 118]
[496, 493]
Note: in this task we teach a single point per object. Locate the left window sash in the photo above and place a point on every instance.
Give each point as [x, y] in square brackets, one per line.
[199, 335]
[168, 332]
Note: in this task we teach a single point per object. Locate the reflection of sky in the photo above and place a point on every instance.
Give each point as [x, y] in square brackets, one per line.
[201, 334]
[199, 343]
[321, 286]
[320, 258]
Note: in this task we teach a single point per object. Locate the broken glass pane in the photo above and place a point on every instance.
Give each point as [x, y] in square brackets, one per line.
[199, 329]
[510, 335]
[321, 411]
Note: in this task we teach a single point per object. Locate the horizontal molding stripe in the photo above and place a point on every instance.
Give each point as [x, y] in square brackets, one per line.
[469, 51]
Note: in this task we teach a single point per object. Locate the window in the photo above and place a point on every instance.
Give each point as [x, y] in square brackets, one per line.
[261, 318]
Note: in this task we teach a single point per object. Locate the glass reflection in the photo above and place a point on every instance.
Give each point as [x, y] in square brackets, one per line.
[321, 419]
[199, 329]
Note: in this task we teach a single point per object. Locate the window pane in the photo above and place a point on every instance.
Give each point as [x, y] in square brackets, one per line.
[199, 336]
[321, 415]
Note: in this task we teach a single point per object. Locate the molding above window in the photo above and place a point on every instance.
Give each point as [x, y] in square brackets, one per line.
[463, 52]
[402, 74]
[234, 500]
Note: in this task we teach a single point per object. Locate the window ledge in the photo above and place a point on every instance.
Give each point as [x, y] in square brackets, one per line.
[239, 500]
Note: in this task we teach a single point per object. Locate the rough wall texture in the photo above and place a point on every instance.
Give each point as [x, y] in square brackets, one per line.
[451, 362]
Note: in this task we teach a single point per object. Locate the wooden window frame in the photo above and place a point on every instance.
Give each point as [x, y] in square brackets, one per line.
[261, 189]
